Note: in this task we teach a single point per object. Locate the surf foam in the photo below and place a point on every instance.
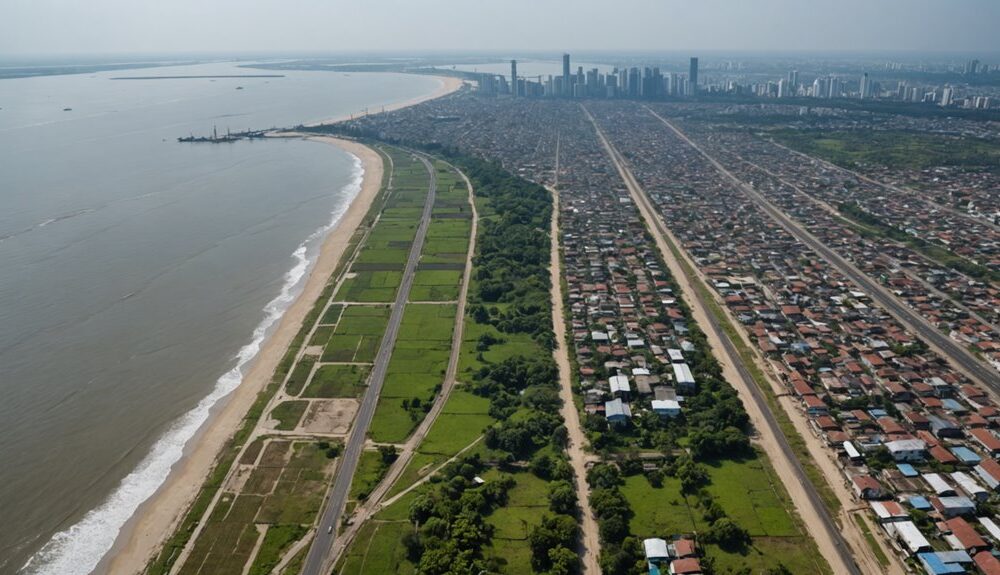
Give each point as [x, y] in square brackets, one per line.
[78, 549]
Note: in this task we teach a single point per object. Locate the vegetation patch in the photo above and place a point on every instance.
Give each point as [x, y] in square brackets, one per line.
[338, 381]
[288, 414]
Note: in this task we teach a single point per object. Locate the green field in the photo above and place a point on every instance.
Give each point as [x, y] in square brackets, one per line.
[338, 381]
[416, 370]
[893, 148]
[370, 471]
[749, 493]
[288, 414]
[283, 494]
[357, 335]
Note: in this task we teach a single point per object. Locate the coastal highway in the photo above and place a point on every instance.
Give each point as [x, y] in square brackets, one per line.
[842, 560]
[326, 530]
[959, 357]
[374, 501]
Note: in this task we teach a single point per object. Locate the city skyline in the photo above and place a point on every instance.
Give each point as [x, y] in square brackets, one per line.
[120, 27]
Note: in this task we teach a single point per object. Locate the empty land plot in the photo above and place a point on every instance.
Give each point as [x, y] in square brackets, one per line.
[462, 420]
[370, 286]
[378, 548]
[415, 372]
[332, 314]
[288, 485]
[288, 413]
[299, 375]
[357, 335]
[749, 494]
[527, 502]
[338, 381]
[436, 285]
[371, 469]
[427, 322]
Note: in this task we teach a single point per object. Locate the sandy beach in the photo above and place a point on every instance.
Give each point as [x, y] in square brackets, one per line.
[159, 516]
[448, 85]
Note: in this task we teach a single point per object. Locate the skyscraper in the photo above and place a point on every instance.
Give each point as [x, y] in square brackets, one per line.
[513, 77]
[693, 77]
[866, 86]
[566, 82]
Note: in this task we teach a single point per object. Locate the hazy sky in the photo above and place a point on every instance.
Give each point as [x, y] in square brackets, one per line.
[126, 26]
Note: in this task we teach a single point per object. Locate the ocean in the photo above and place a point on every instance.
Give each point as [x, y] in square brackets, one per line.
[139, 276]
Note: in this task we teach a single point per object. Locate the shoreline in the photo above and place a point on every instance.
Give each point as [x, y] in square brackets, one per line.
[448, 85]
[156, 518]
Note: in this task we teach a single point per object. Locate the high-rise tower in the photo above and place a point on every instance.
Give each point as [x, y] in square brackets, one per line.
[693, 77]
[513, 77]
[566, 81]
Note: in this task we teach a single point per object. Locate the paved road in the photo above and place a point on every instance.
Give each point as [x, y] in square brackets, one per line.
[830, 528]
[960, 357]
[317, 559]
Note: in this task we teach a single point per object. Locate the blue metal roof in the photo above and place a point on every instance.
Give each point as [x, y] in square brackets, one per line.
[940, 564]
[966, 455]
[907, 470]
[877, 412]
[952, 405]
[918, 502]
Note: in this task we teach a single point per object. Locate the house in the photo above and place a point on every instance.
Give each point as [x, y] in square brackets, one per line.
[969, 486]
[966, 455]
[683, 379]
[907, 449]
[953, 506]
[688, 566]
[987, 439]
[991, 527]
[944, 562]
[656, 550]
[939, 485]
[867, 487]
[815, 406]
[943, 427]
[989, 471]
[909, 536]
[675, 356]
[619, 387]
[666, 407]
[853, 455]
[617, 412]
[683, 548]
[889, 511]
[987, 563]
[964, 536]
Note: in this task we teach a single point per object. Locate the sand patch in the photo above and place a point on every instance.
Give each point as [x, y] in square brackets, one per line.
[330, 416]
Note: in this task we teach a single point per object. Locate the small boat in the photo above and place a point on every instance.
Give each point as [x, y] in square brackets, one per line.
[67, 109]
[239, 87]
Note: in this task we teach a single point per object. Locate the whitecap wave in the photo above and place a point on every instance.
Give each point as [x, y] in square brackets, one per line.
[78, 549]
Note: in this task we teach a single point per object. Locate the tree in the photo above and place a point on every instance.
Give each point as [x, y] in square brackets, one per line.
[603, 475]
[542, 465]
[727, 534]
[388, 454]
[692, 475]
[562, 497]
[421, 508]
[552, 532]
[563, 561]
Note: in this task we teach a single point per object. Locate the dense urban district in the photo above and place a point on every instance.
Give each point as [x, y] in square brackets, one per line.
[644, 329]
